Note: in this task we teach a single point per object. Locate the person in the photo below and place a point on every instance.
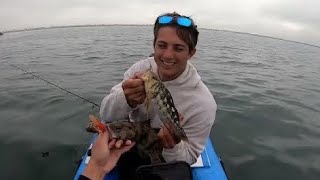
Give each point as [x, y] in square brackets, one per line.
[105, 154]
[174, 44]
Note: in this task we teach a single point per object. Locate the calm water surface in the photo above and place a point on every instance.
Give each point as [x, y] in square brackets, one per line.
[267, 90]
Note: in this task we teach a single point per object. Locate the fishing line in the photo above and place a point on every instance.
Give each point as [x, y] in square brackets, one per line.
[46, 154]
[55, 85]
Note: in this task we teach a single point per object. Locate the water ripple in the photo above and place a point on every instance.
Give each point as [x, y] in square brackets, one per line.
[267, 93]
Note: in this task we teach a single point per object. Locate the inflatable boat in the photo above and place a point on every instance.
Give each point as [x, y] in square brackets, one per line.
[208, 166]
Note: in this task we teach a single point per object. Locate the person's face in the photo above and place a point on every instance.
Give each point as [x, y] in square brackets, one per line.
[171, 54]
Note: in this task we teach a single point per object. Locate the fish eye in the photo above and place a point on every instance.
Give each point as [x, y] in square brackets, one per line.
[118, 129]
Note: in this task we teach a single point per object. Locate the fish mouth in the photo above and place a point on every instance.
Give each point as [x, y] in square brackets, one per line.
[112, 134]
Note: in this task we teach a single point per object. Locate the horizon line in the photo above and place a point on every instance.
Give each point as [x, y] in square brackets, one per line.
[95, 25]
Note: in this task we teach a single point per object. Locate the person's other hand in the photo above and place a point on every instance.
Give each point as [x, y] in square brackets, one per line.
[105, 155]
[134, 90]
[166, 137]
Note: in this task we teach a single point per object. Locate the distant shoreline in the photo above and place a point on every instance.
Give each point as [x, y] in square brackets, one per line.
[72, 26]
[102, 25]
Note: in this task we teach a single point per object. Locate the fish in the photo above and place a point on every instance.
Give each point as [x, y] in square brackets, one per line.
[147, 140]
[155, 89]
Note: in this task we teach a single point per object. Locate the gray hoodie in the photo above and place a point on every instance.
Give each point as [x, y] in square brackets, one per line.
[192, 99]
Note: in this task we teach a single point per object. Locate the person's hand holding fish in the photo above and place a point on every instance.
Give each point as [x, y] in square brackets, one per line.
[105, 155]
[96, 126]
[165, 135]
[134, 90]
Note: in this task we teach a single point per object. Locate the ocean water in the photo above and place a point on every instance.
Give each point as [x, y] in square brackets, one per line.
[267, 91]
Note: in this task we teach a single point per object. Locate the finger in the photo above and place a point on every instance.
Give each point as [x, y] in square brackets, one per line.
[170, 143]
[160, 133]
[100, 138]
[162, 138]
[137, 96]
[100, 141]
[119, 143]
[128, 142]
[165, 143]
[132, 83]
[138, 75]
[112, 143]
[137, 100]
[104, 136]
[134, 90]
[134, 96]
[140, 99]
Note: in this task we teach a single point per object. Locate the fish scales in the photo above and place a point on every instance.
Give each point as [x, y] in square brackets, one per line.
[166, 103]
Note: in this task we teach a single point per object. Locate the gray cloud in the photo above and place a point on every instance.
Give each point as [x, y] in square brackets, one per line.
[290, 19]
[304, 12]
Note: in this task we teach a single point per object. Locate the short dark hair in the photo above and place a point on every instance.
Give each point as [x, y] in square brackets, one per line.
[187, 34]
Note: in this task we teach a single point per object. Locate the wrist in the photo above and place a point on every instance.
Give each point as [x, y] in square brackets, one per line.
[94, 172]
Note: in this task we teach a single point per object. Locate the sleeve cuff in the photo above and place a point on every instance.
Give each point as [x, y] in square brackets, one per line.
[176, 148]
[174, 153]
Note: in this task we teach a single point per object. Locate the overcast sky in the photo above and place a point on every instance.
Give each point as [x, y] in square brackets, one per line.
[297, 20]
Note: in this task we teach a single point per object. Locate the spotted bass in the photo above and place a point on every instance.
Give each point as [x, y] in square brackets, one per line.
[155, 89]
[147, 141]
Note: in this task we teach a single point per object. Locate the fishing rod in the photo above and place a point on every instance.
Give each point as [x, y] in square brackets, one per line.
[55, 85]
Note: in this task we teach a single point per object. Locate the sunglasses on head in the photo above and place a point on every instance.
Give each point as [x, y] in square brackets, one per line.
[182, 21]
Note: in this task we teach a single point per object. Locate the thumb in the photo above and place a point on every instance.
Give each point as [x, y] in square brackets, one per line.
[104, 136]
[138, 75]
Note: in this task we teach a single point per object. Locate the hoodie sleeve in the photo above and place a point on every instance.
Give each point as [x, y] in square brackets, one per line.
[114, 106]
[198, 130]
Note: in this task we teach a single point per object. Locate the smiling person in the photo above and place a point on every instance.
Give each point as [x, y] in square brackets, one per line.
[175, 40]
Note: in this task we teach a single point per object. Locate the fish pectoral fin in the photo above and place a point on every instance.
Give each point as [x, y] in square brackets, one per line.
[169, 125]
